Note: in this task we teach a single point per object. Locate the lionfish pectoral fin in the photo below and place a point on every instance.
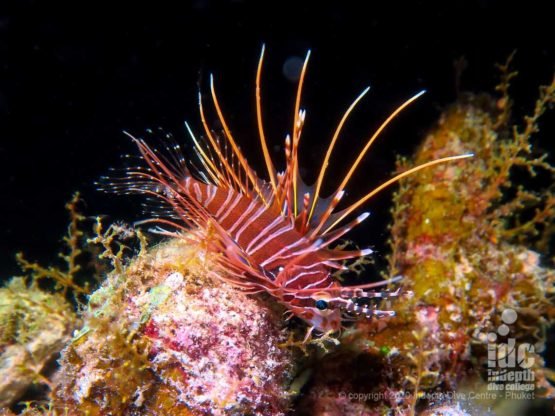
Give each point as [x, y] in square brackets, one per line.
[354, 303]
[371, 313]
[237, 271]
[354, 292]
[337, 291]
[335, 255]
[236, 279]
[381, 283]
[237, 266]
[237, 255]
[335, 265]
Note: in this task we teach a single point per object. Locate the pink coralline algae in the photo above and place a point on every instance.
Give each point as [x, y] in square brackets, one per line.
[163, 339]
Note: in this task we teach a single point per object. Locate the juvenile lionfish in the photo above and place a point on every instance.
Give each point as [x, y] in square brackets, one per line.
[272, 235]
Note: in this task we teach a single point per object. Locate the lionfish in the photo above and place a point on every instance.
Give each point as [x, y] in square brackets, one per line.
[272, 235]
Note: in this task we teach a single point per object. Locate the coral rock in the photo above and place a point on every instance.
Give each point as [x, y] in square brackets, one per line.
[34, 326]
[162, 338]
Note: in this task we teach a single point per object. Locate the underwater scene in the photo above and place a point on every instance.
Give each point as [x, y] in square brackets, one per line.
[242, 208]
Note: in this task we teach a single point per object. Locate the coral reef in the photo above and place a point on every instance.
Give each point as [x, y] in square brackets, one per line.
[161, 338]
[460, 237]
[35, 324]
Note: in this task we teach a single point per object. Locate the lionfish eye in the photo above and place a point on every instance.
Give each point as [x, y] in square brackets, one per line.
[321, 304]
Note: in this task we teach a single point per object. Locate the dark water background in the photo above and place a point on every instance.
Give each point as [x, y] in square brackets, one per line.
[72, 78]
[74, 75]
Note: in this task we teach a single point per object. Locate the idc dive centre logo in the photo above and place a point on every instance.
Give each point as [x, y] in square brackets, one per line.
[509, 364]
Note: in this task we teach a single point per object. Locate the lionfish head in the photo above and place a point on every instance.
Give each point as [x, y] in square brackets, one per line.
[319, 314]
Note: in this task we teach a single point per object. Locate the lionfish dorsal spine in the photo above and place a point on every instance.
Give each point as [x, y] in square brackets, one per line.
[272, 236]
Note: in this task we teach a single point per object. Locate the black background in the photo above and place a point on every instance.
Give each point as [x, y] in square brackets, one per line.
[73, 76]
